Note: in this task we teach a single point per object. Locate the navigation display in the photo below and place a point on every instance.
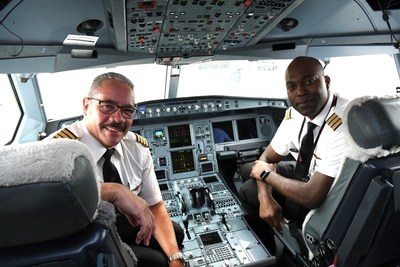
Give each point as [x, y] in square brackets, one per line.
[179, 136]
[182, 161]
[247, 128]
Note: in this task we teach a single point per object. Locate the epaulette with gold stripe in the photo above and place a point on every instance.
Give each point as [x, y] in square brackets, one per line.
[65, 133]
[142, 140]
[288, 114]
[334, 121]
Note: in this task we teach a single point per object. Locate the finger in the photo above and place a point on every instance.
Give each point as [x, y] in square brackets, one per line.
[143, 235]
[150, 232]
[147, 238]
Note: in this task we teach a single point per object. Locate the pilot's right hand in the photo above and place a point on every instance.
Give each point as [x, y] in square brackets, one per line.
[133, 207]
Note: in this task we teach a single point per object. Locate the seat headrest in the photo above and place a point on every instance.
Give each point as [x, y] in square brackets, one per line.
[372, 126]
[48, 190]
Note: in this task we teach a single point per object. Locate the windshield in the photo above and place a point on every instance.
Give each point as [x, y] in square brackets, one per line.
[62, 93]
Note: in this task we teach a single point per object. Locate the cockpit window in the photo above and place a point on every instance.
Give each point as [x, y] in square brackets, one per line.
[354, 76]
[263, 78]
[63, 92]
[10, 110]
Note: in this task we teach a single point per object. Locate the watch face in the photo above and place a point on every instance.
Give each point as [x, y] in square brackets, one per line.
[264, 174]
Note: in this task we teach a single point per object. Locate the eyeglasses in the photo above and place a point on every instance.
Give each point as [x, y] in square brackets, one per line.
[108, 107]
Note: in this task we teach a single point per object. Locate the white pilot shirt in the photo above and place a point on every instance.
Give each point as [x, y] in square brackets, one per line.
[331, 143]
[132, 159]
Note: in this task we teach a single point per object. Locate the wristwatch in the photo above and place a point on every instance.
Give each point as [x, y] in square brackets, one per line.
[264, 174]
[177, 256]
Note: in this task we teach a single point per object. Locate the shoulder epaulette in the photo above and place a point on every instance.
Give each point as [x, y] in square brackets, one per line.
[142, 140]
[334, 121]
[288, 114]
[65, 133]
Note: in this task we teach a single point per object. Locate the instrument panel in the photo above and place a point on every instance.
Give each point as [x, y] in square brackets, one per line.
[187, 148]
[216, 234]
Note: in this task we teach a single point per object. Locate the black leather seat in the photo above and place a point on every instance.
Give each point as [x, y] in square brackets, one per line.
[51, 213]
[358, 224]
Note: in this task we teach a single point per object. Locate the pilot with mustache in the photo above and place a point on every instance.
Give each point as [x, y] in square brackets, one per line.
[276, 189]
[143, 221]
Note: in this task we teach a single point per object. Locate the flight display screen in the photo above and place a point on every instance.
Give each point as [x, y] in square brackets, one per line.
[160, 174]
[210, 238]
[210, 179]
[247, 128]
[222, 131]
[163, 187]
[182, 161]
[158, 134]
[179, 136]
[207, 167]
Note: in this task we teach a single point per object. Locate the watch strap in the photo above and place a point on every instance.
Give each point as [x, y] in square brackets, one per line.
[177, 256]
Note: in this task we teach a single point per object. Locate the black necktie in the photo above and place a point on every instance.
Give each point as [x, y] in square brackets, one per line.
[110, 172]
[305, 154]
[293, 210]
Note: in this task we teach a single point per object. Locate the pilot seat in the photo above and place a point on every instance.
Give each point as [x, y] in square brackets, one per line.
[358, 224]
[51, 212]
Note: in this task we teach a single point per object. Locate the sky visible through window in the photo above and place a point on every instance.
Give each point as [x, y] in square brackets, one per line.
[62, 93]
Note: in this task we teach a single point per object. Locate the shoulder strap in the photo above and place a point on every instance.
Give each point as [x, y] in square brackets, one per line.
[65, 133]
[142, 140]
[288, 114]
[334, 121]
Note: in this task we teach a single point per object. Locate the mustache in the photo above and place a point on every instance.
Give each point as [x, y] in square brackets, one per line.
[115, 125]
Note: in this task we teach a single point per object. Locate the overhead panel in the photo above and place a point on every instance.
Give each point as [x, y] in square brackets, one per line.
[185, 29]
